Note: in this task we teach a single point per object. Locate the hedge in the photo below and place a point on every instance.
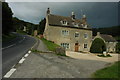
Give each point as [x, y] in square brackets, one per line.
[98, 46]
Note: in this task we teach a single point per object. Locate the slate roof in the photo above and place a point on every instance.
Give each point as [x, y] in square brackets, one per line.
[55, 20]
[108, 38]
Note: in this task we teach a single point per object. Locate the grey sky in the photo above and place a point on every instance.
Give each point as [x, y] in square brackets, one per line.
[99, 14]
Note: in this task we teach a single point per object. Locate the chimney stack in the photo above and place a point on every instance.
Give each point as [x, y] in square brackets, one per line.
[48, 11]
[73, 15]
[98, 33]
[84, 19]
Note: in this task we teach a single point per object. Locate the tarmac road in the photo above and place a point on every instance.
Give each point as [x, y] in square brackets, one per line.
[14, 50]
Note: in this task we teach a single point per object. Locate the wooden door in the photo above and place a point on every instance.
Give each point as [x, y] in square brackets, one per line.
[76, 47]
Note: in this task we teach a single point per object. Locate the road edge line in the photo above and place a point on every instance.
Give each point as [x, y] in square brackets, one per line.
[14, 68]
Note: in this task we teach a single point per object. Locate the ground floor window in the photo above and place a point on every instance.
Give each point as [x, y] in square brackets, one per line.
[65, 45]
[85, 45]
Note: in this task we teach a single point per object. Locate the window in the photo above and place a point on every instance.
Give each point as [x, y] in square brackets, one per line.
[65, 45]
[85, 35]
[64, 22]
[76, 34]
[85, 26]
[65, 32]
[85, 45]
[75, 24]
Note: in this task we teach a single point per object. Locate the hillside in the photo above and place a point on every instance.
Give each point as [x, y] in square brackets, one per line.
[114, 31]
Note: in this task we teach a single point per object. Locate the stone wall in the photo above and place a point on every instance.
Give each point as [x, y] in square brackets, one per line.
[54, 33]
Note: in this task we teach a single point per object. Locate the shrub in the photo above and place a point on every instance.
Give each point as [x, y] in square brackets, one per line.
[102, 55]
[118, 47]
[98, 46]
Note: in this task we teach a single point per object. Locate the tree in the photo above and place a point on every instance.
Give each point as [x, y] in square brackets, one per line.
[41, 26]
[6, 18]
[98, 46]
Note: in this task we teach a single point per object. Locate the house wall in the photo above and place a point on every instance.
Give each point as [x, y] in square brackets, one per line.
[111, 46]
[54, 33]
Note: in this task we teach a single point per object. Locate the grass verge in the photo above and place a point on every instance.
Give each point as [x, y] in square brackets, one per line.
[109, 72]
[21, 32]
[50, 45]
[8, 37]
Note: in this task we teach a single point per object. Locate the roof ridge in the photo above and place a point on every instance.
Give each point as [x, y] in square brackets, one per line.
[64, 16]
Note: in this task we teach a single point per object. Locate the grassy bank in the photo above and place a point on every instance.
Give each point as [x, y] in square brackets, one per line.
[109, 72]
[21, 32]
[50, 45]
[8, 37]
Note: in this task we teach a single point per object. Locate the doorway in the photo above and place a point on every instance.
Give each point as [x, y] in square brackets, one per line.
[76, 47]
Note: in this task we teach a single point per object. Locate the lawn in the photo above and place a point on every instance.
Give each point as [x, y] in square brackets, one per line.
[108, 72]
[8, 37]
[50, 45]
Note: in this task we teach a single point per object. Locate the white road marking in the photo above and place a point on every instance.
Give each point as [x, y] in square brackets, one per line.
[22, 60]
[22, 40]
[13, 66]
[8, 46]
[29, 51]
[13, 44]
[26, 55]
[8, 74]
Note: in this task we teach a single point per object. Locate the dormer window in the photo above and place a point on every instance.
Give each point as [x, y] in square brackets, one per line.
[85, 26]
[82, 25]
[64, 22]
[75, 24]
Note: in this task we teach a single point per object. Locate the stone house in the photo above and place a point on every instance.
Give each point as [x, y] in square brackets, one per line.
[108, 40]
[71, 33]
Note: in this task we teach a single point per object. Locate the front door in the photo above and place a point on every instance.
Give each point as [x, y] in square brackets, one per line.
[76, 47]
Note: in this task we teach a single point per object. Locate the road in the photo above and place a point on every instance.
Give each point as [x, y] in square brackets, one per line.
[50, 65]
[14, 50]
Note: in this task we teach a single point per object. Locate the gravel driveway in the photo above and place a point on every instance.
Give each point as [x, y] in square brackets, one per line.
[48, 65]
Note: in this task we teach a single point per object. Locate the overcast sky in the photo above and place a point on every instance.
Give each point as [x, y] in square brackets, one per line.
[99, 14]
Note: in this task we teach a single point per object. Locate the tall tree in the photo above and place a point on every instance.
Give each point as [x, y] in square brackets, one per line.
[6, 18]
[41, 26]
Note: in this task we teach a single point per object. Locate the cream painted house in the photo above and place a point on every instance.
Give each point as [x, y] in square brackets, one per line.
[71, 33]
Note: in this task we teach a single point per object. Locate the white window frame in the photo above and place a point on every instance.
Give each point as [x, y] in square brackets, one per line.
[65, 32]
[65, 45]
[86, 26]
[64, 22]
[75, 34]
[85, 36]
[85, 45]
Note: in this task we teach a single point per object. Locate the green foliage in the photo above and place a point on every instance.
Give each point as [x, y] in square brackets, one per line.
[36, 51]
[50, 45]
[20, 24]
[7, 24]
[108, 72]
[21, 32]
[41, 26]
[98, 46]
[118, 47]
[114, 31]
[102, 55]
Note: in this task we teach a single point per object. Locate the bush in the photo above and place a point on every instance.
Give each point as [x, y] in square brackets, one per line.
[102, 55]
[98, 46]
[60, 51]
[118, 47]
